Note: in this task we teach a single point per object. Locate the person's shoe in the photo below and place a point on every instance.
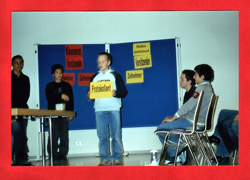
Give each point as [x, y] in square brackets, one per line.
[61, 161]
[117, 163]
[224, 161]
[62, 158]
[23, 163]
[105, 162]
[168, 163]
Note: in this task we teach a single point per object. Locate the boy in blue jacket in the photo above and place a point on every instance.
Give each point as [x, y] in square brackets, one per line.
[107, 111]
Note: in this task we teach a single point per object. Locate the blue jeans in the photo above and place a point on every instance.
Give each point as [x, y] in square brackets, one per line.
[105, 121]
[226, 127]
[176, 124]
[20, 147]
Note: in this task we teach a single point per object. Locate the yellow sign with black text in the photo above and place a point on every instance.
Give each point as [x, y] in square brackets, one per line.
[136, 76]
[101, 89]
[143, 61]
[140, 49]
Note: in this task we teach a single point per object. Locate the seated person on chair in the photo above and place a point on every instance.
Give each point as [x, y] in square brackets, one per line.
[187, 82]
[184, 117]
[227, 130]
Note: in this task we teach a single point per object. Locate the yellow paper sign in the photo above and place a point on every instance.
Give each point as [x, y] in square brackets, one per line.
[101, 89]
[134, 76]
[141, 49]
[142, 61]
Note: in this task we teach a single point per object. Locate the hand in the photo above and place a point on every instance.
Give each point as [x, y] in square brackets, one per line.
[65, 97]
[13, 120]
[167, 119]
[114, 93]
[70, 118]
[236, 118]
[181, 117]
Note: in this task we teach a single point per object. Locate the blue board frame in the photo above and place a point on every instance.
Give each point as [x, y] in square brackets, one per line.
[146, 104]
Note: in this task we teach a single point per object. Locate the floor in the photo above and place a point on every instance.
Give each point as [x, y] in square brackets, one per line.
[131, 159]
[134, 159]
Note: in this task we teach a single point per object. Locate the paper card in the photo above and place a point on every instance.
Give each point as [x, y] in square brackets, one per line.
[84, 78]
[143, 61]
[69, 77]
[140, 49]
[73, 57]
[101, 89]
[136, 76]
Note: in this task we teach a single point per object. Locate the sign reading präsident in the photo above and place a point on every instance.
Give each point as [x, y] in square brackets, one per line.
[134, 76]
[101, 89]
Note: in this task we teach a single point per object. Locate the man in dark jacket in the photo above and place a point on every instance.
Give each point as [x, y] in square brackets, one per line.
[20, 95]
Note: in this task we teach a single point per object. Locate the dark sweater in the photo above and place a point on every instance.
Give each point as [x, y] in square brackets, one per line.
[20, 90]
[189, 94]
[54, 93]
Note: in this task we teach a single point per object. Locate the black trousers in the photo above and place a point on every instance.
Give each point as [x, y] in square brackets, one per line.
[20, 147]
[60, 131]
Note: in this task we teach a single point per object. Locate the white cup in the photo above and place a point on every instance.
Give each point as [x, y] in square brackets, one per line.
[60, 107]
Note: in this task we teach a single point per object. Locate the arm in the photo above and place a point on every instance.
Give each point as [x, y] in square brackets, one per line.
[168, 119]
[27, 90]
[70, 102]
[190, 104]
[121, 91]
[52, 96]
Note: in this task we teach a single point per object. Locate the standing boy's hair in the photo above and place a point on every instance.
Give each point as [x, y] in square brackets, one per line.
[15, 57]
[189, 75]
[109, 57]
[206, 71]
[55, 67]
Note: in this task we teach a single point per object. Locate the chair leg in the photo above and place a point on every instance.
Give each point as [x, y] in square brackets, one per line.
[205, 155]
[177, 149]
[234, 157]
[164, 150]
[190, 148]
[211, 149]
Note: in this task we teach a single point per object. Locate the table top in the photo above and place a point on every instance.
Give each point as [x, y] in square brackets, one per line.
[40, 112]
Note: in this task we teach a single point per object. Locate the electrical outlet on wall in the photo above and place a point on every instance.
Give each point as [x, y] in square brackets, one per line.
[78, 143]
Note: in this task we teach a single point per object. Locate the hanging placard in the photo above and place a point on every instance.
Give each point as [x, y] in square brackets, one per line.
[73, 57]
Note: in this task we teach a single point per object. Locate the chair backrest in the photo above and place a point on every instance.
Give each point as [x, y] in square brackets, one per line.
[209, 112]
[197, 110]
[210, 115]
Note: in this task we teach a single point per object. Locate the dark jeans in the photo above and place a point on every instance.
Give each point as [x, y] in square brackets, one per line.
[60, 130]
[227, 131]
[20, 147]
